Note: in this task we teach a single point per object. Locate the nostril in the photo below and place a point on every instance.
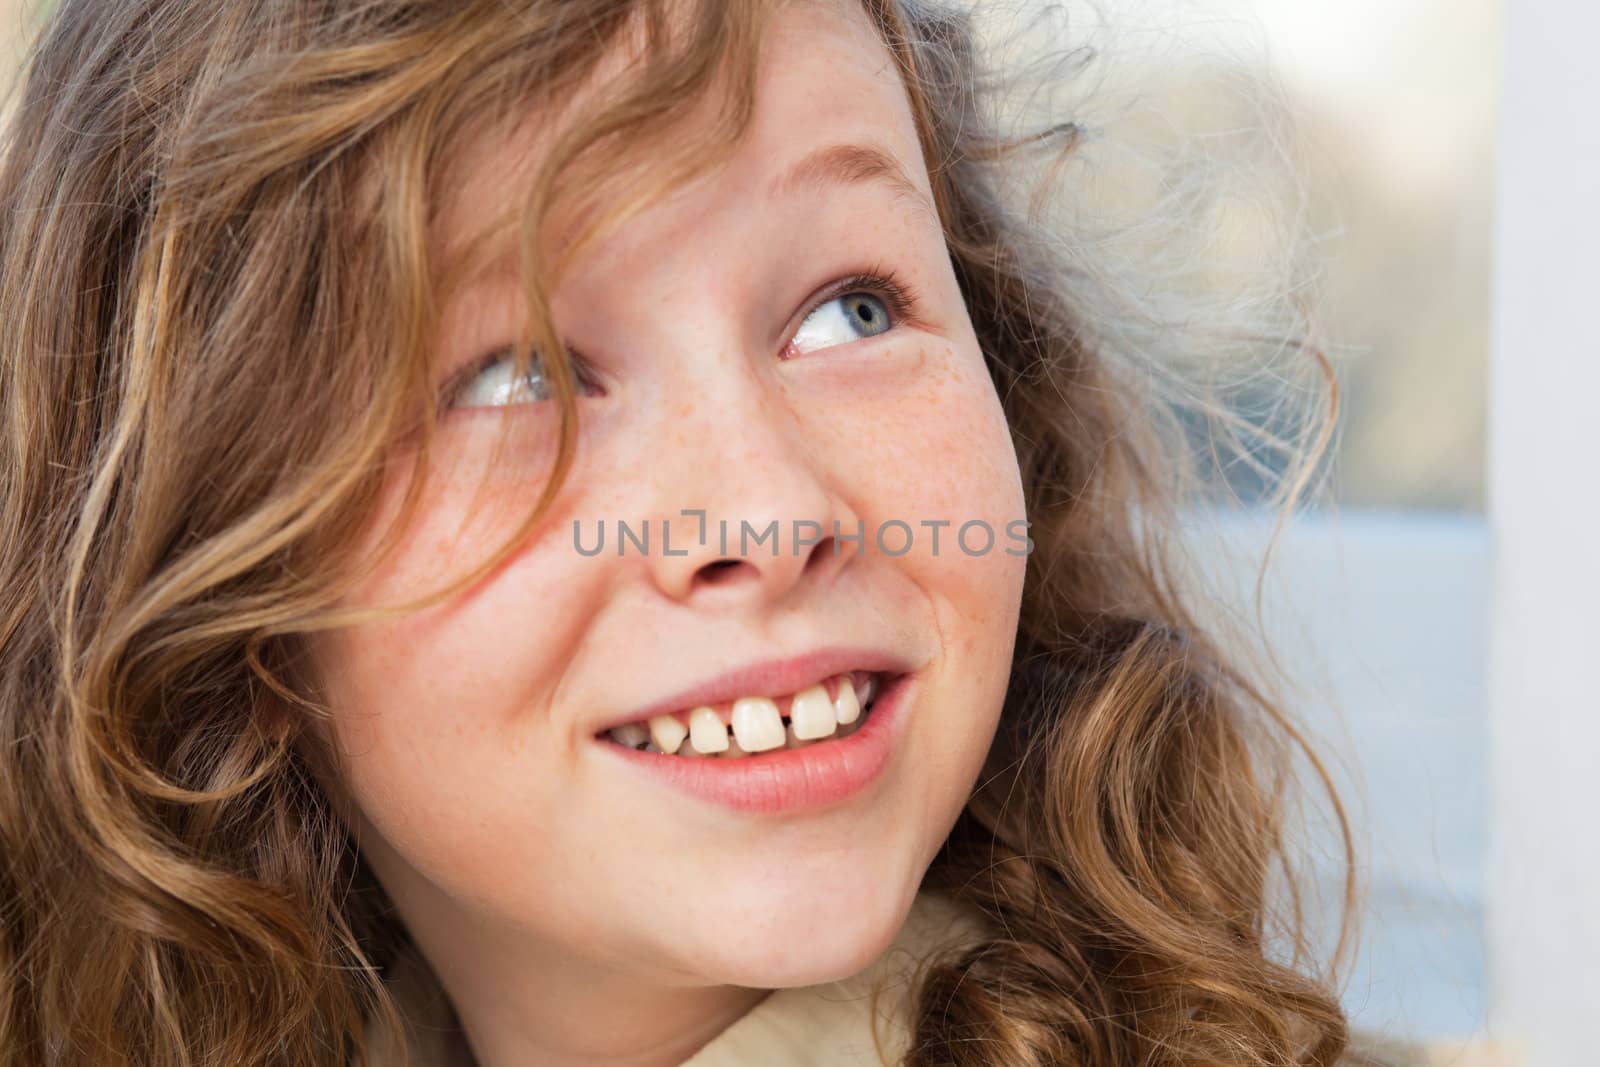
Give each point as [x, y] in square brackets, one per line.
[823, 549]
[719, 571]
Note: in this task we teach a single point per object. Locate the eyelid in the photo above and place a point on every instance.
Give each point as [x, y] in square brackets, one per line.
[881, 281]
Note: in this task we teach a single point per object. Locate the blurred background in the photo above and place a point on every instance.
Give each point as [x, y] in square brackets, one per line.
[1348, 150]
[1379, 601]
[1421, 176]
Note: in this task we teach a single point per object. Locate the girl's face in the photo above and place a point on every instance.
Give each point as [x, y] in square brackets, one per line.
[781, 340]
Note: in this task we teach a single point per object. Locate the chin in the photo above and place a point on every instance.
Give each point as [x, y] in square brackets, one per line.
[809, 935]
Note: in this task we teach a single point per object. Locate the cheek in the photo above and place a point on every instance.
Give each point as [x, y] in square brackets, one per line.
[941, 430]
[417, 700]
[941, 452]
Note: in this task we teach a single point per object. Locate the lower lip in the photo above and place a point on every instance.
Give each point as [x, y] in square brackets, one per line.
[792, 779]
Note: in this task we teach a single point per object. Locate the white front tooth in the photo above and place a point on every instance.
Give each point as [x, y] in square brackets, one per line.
[811, 714]
[631, 734]
[707, 732]
[846, 706]
[667, 732]
[791, 741]
[757, 724]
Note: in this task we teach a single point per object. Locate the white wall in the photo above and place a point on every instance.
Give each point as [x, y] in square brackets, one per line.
[1544, 892]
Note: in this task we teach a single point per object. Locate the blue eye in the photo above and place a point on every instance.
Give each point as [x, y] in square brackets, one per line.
[495, 383]
[841, 320]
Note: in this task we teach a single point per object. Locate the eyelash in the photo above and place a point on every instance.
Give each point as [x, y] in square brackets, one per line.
[881, 281]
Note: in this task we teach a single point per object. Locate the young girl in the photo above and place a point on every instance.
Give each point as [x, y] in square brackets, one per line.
[588, 531]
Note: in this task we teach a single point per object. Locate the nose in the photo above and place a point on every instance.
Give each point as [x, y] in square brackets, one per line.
[751, 500]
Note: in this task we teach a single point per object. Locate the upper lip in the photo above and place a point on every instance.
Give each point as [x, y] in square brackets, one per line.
[772, 677]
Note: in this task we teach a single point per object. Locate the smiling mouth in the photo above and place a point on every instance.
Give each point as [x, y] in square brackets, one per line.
[829, 710]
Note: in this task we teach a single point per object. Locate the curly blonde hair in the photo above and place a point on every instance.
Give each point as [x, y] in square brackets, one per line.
[219, 296]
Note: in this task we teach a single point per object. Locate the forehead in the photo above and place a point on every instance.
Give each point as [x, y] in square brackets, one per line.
[829, 107]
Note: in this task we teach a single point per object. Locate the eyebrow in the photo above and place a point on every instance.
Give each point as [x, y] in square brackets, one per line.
[848, 164]
[834, 164]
